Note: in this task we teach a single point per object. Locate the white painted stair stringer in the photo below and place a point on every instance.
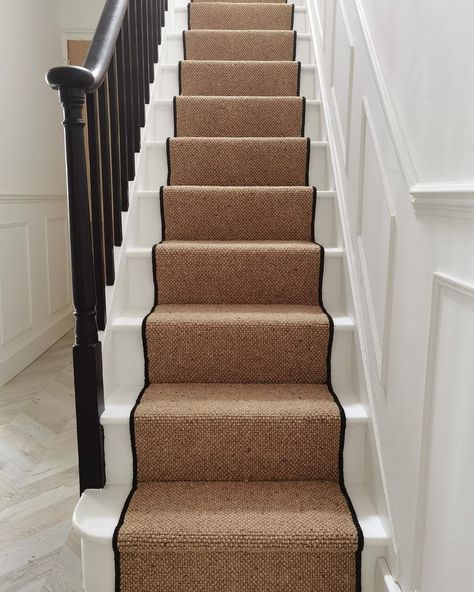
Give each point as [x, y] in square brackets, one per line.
[97, 512]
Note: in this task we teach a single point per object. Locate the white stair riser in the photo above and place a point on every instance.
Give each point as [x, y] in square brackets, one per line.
[155, 171]
[177, 20]
[129, 360]
[100, 573]
[119, 460]
[161, 121]
[167, 85]
[147, 223]
[172, 50]
[141, 288]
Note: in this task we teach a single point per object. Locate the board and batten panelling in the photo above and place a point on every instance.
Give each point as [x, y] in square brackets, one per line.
[35, 293]
[399, 230]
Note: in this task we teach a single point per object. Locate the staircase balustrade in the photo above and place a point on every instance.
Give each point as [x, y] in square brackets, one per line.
[114, 84]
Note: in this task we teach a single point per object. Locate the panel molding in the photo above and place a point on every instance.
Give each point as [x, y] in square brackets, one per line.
[380, 343]
[5, 339]
[441, 283]
[18, 197]
[344, 134]
[402, 149]
[454, 200]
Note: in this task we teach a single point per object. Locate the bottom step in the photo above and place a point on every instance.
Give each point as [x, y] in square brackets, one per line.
[98, 511]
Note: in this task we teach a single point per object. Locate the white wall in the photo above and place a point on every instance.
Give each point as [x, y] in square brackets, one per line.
[398, 82]
[76, 15]
[424, 50]
[35, 307]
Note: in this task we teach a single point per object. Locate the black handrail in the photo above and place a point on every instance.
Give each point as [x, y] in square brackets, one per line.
[115, 83]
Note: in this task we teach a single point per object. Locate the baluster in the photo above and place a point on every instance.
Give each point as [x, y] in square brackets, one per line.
[144, 49]
[122, 122]
[87, 356]
[137, 73]
[129, 94]
[151, 41]
[107, 207]
[96, 209]
[158, 21]
[154, 33]
[115, 139]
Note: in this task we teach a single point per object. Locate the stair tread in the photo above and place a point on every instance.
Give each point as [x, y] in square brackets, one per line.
[120, 401]
[246, 515]
[97, 513]
[215, 313]
[242, 400]
[132, 320]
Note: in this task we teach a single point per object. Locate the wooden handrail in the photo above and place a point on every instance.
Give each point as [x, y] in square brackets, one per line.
[115, 83]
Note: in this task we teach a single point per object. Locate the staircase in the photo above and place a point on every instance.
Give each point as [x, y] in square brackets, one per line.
[241, 465]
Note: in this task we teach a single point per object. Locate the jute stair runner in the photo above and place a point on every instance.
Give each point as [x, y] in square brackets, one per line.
[239, 45]
[239, 116]
[240, 16]
[237, 435]
[239, 78]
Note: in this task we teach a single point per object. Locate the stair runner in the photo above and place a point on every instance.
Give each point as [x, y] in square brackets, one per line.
[238, 435]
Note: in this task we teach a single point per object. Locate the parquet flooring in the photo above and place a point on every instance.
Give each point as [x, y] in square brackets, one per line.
[38, 477]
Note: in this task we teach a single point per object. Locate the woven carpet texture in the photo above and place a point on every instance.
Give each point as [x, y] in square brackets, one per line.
[237, 434]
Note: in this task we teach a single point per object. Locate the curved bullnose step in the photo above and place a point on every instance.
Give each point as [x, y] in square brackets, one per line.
[209, 537]
[98, 511]
[238, 161]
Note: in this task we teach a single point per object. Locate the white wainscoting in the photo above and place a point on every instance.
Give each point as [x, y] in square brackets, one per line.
[35, 293]
[445, 517]
[342, 71]
[399, 231]
[375, 233]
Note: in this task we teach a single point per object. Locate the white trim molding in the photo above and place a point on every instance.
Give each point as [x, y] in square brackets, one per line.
[384, 581]
[381, 342]
[400, 144]
[17, 197]
[441, 283]
[444, 199]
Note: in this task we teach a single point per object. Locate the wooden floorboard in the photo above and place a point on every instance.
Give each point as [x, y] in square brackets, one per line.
[38, 477]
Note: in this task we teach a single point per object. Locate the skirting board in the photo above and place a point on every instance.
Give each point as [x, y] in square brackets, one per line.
[384, 581]
[35, 346]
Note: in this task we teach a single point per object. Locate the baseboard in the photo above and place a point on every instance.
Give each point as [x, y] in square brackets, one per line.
[384, 581]
[33, 347]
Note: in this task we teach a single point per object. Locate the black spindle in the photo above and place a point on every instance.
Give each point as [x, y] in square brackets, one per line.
[107, 206]
[96, 208]
[115, 151]
[122, 118]
[129, 94]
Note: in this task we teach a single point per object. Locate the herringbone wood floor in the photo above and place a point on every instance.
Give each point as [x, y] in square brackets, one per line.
[38, 477]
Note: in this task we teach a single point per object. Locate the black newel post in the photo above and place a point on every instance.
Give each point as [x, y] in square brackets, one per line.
[87, 356]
